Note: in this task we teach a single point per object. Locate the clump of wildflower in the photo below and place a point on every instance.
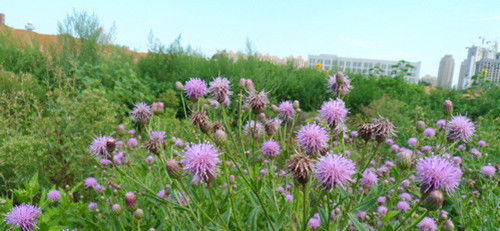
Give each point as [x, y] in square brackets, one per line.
[435, 173]
[334, 112]
[195, 89]
[312, 138]
[24, 216]
[300, 168]
[257, 101]
[460, 128]
[219, 89]
[270, 148]
[334, 170]
[141, 113]
[201, 161]
[427, 224]
[253, 128]
[286, 110]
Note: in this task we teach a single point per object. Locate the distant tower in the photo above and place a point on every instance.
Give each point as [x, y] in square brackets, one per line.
[445, 74]
[2, 19]
[29, 26]
[461, 75]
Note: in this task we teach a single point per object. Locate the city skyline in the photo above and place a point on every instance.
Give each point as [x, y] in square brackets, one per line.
[389, 30]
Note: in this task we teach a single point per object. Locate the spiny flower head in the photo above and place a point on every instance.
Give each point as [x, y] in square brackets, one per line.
[257, 101]
[435, 173]
[219, 89]
[195, 89]
[54, 195]
[382, 128]
[460, 128]
[300, 168]
[429, 132]
[286, 110]
[24, 216]
[253, 128]
[270, 148]
[201, 161]
[339, 89]
[334, 170]
[488, 171]
[141, 113]
[333, 111]
[98, 147]
[90, 182]
[427, 224]
[312, 138]
[369, 178]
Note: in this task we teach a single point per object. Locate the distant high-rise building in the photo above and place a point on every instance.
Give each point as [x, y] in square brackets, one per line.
[461, 75]
[432, 80]
[361, 66]
[474, 54]
[2, 19]
[490, 69]
[445, 74]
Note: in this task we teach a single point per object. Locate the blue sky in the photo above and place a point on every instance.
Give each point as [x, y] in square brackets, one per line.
[412, 30]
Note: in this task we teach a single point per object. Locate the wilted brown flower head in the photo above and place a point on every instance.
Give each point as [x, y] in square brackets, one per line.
[365, 131]
[300, 168]
[257, 101]
[200, 120]
[382, 129]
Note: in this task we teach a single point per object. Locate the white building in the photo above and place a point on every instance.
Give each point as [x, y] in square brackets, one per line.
[490, 68]
[461, 75]
[361, 66]
[445, 74]
[474, 54]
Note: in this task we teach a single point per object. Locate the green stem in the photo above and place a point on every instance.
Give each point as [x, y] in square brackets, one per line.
[212, 198]
[304, 208]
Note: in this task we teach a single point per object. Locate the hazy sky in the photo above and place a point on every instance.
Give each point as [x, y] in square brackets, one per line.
[412, 30]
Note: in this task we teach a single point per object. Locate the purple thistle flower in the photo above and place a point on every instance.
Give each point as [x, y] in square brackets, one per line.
[98, 147]
[54, 195]
[315, 222]
[141, 113]
[214, 104]
[381, 211]
[99, 188]
[403, 206]
[333, 111]
[253, 128]
[312, 138]
[161, 194]
[369, 178]
[481, 143]
[289, 198]
[159, 136]
[219, 89]
[488, 171]
[381, 200]
[427, 224]
[286, 110]
[354, 134]
[201, 161]
[150, 159]
[475, 153]
[132, 142]
[394, 148]
[339, 89]
[24, 216]
[105, 162]
[461, 148]
[195, 89]
[334, 171]
[405, 196]
[389, 141]
[92, 206]
[460, 128]
[440, 124]
[457, 160]
[270, 148]
[131, 132]
[412, 141]
[429, 132]
[90, 182]
[435, 172]
[257, 101]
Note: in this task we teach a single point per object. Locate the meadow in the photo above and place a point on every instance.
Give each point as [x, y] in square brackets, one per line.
[96, 137]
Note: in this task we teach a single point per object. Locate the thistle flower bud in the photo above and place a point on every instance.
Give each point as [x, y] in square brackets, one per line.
[110, 144]
[443, 215]
[434, 200]
[138, 214]
[130, 201]
[262, 117]
[120, 129]
[174, 169]
[300, 168]
[220, 137]
[157, 108]
[179, 86]
[116, 208]
[154, 146]
[200, 120]
[420, 126]
[404, 160]
[296, 104]
[340, 78]
[448, 107]
[448, 226]
[241, 83]
[275, 108]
